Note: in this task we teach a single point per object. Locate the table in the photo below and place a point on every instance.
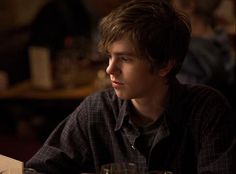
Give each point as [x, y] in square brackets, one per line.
[22, 103]
[25, 90]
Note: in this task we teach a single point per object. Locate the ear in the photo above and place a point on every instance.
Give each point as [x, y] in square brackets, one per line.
[167, 68]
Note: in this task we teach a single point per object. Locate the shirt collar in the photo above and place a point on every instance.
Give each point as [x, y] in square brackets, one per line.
[125, 110]
[172, 113]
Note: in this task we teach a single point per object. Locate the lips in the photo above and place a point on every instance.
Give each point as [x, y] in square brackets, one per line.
[116, 84]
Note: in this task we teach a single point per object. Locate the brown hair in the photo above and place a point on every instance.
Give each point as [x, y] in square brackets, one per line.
[157, 30]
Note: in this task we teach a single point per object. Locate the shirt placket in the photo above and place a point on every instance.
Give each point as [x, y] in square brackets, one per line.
[132, 135]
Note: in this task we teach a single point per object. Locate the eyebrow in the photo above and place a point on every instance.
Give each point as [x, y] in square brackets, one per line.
[123, 54]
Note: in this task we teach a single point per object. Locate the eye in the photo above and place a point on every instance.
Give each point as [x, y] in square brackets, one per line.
[125, 58]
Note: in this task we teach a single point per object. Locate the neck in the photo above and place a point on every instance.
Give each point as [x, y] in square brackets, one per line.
[149, 109]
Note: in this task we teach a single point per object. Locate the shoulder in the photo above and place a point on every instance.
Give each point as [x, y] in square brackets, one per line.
[206, 100]
[102, 97]
[204, 107]
[100, 108]
[210, 109]
[104, 102]
[198, 98]
[204, 92]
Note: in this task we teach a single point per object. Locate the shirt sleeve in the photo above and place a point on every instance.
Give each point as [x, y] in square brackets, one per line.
[66, 150]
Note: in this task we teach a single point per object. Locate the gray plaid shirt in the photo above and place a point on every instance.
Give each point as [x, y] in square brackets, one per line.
[196, 136]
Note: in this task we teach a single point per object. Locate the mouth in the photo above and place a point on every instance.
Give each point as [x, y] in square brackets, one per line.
[116, 84]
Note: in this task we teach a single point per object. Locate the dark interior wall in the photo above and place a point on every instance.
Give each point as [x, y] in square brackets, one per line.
[15, 19]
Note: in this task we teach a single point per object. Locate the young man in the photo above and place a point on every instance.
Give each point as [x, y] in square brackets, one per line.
[148, 117]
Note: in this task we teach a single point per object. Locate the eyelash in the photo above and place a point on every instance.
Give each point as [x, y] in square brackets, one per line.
[122, 58]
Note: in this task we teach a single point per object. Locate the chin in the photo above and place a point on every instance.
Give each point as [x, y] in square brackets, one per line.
[123, 96]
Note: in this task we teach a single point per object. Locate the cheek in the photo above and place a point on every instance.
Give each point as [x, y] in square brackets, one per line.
[138, 76]
[136, 73]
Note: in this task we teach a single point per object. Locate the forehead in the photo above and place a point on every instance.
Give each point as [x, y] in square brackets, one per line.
[123, 44]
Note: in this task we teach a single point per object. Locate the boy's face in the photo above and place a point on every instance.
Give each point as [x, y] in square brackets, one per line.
[130, 75]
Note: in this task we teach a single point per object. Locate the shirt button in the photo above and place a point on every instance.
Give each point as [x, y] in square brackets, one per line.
[133, 147]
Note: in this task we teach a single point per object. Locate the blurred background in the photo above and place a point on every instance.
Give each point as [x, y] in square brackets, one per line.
[49, 64]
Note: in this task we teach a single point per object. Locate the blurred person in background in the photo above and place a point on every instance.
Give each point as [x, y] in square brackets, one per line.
[209, 59]
[226, 17]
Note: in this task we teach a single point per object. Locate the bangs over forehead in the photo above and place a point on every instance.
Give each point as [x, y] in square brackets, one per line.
[130, 20]
[144, 22]
[113, 28]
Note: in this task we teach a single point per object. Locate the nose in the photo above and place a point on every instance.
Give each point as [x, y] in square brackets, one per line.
[113, 67]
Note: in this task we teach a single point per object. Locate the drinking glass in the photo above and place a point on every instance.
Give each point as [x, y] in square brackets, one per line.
[159, 172]
[119, 168]
[29, 171]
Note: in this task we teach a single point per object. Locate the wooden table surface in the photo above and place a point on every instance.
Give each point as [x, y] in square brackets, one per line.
[25, 90]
